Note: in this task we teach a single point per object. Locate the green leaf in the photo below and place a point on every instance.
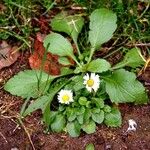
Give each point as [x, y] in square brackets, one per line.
[80, 118]
[89, 127]
[88, 104]
[113, 119]
[58, 45]
[87, 115]
[61, 108]
[73, 128]
[49, 116]
[44, 102]
[133, 58]
[71, 25]
[25, 83]
[99, 102]
[78, 83]
[59, 123]
[123, 87]
[98, 117]
[82, 101]
[102, 26]
[98, 66]
[89, 147]
[80, 110]
[66, 71]
[95, 110]
[107, 108]
[52, 115]
[46, 115]
[39, 103]
[64, 61]
[71, 115]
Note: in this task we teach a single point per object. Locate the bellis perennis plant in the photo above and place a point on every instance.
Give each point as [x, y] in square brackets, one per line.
[84, 94]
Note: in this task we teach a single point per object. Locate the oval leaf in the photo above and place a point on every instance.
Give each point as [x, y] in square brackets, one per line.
[89, 127]
[102, 26]
[72, 25]
[98, 117]
[98, 66]
[90, 147]
[123, 87]
[58, 45]
[59, 123]
[113, 119]
[25, 83]
[73, 128]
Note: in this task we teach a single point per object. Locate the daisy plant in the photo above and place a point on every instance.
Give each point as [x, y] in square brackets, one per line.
[88, 91]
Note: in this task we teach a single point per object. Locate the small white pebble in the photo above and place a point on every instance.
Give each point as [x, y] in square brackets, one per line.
[132, 125]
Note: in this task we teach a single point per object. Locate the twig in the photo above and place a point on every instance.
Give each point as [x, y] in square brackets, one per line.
[29, 137]
[139, 44]
[23, 126]
[78, 8]
[3, 137]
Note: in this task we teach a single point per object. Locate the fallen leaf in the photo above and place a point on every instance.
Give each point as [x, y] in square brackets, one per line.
[8, 54]
[50, 64]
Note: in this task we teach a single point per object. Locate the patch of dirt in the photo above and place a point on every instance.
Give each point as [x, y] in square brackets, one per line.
[14, 135]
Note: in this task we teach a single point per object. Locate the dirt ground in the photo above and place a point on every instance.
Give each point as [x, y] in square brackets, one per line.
[15, 136]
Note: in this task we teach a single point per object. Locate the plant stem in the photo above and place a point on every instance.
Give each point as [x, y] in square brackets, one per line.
[121, 65]
[75, 41]
[74, 58]
[91, 54]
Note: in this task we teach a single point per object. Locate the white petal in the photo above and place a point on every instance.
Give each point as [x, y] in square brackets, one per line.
[92, 75]
[86, 77]
[85, 82]
[95, 87]
[89, 88]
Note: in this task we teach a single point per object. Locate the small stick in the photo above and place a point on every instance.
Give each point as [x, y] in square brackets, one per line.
[139, 44]
[3, 137]
[29, 137]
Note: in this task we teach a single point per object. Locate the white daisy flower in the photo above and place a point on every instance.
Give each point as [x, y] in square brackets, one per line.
[65, 96]
[91, 82]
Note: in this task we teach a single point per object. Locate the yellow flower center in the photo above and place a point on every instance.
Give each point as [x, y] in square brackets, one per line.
[65, 98]
[90, 82]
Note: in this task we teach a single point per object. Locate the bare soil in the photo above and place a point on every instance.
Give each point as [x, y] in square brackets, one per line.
[14, 136]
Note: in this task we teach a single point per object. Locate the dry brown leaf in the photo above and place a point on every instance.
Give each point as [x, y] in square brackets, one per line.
[51, 65]
[8, 54]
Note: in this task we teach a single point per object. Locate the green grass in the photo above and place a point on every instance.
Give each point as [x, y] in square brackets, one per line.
[133, 19]
[15, 19]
